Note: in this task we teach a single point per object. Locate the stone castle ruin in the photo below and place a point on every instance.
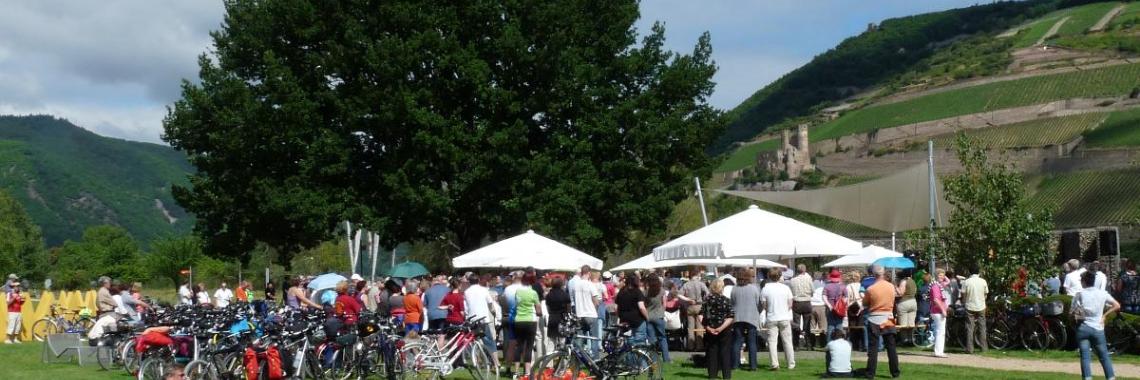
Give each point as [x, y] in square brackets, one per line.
[793, 156]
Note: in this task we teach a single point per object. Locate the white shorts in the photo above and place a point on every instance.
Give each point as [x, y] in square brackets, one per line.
[13, 323]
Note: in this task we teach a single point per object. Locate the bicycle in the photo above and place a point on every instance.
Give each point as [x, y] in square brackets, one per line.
[58, 321]
[220, 359]
[621, 360]
[1040, 331]
[923, 333]
[426, 360]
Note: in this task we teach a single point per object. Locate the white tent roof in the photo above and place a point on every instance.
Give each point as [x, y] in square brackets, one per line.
[648, 262]
[864, 258]
[527, 250]
[757, 233]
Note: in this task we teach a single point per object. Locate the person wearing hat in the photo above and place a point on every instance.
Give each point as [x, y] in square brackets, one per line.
[833, 292]
[15, 306]
[12, 277]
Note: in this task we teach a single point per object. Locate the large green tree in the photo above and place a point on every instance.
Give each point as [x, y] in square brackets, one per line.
[104, 251]
[444, 121]
[169, 256]
[993, 227]
[21, 244]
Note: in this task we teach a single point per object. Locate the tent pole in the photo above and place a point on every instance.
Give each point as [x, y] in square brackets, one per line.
[893, 242]
[933, 192]
[701, 198]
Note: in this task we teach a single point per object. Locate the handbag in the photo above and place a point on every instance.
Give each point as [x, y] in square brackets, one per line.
[673, 320]
[840, 309]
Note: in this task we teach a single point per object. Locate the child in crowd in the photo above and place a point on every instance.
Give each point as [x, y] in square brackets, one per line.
[838, 357]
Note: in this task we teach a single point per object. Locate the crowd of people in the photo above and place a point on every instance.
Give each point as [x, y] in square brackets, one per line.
[726, 317]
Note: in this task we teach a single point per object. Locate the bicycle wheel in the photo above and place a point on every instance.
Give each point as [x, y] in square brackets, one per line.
[923, 336]
[480, 365]
[1001, 333]
[634, 364]
[129, 356]
[106, 355]
[42, 328]
[555, 365]
[338, 364]
[154, 369]
[232, 366]
[201, 370]
[1059, 332]
[414, 358]
[1034, 336]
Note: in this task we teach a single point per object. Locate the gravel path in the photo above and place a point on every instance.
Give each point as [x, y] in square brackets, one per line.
[1106, 18]
[1010, 364]
[859, 360]
[1052, 30]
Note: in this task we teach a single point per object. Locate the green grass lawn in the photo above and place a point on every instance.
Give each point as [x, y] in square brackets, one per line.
[1108, 81]
[1120, 129]
[23, 362]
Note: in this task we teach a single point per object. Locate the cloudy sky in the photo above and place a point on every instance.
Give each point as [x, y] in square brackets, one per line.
[112, 66]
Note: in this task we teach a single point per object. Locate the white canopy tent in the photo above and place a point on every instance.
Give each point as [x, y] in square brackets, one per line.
[648, 262]
[527, 250]
[755, 233]
[866, 257]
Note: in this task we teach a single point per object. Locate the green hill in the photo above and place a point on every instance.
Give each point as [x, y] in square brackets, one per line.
[69, 178]
[883, 52]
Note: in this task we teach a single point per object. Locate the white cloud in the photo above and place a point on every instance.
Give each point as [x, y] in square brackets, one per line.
[110, 66]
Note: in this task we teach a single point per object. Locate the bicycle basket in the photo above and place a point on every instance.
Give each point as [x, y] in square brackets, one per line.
[1030, 310]
[1053, 309]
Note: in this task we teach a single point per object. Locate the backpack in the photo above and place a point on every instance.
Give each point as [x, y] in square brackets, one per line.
[840, 308]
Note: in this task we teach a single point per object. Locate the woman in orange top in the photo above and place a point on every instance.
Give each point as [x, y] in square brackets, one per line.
[413, 309]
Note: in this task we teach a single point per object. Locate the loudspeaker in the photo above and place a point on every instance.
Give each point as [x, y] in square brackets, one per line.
[1107, 240]
[1070, 246]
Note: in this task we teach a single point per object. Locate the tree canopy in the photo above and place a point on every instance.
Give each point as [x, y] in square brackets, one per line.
[993, 227]
[453, 122]
[21, 244]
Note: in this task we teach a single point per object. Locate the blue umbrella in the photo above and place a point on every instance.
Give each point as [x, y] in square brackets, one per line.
[410, 269]
[894, 263]
[326, 281]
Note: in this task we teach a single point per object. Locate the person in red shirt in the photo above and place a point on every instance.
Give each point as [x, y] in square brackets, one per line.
[453, 303]
[15, 306]
[346, 306]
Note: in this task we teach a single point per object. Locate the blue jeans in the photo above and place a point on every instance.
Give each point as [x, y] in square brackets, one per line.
[657, 335]
[589, 327]
[640, 334]
[1086, 337]
[743, 332]
[834, 322]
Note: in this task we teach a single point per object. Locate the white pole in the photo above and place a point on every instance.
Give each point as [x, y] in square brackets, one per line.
[355, 251]
[933, 197]
[893, 242]
[374, 251]
[704, 216]
[701, 198]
